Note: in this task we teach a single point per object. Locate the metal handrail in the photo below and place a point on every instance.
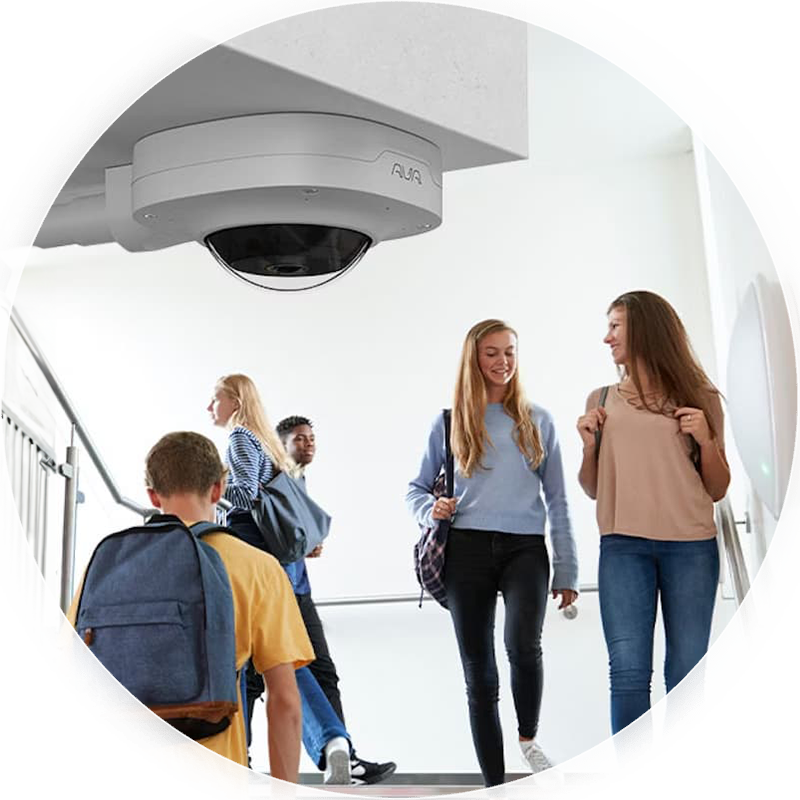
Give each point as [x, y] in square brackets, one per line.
[383, 599]
[74, 418]
[776, 753]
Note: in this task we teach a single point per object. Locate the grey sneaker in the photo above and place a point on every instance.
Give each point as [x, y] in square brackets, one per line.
[337, 762]
[534, 755]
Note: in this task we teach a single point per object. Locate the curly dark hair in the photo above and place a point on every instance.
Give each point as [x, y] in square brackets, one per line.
[286, 426]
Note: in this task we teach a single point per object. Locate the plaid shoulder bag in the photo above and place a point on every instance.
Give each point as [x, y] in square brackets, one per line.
[429, 550]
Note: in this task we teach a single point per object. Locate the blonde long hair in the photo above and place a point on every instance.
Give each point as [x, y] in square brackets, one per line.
[250, 414]
[469, 436]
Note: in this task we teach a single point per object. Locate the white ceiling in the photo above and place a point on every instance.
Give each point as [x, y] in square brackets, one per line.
[607, 79]
[110, 76]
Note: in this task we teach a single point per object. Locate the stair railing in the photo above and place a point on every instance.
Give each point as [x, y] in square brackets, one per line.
[69, 469]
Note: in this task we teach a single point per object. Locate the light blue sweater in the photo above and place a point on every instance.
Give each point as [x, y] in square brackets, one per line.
[506, 495]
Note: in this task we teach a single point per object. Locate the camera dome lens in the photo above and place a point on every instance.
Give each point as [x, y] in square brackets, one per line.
[259, 253]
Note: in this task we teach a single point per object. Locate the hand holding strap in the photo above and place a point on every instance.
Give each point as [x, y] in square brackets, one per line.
[597, 434]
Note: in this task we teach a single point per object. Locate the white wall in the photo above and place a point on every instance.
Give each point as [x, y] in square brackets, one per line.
[140, 339]
[748, 80]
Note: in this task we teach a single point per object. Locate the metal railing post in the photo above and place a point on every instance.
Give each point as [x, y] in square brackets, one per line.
[77, 425]
[69, 470]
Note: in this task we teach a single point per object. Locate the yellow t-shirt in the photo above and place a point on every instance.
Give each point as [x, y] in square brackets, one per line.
[269, 627]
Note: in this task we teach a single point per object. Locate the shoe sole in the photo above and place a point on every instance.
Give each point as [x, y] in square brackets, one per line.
[338, 771]
[375, 779]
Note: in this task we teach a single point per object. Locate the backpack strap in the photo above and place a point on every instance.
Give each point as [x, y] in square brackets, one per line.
[448, 456]
[204, 528]
[600, 404]
[695, 455]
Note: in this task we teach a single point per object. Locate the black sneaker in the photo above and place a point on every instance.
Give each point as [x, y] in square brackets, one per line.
[366, 772]
[254, 777]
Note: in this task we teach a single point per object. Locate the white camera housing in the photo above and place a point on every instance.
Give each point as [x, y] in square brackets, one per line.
[280, 199]
[287, 168]
[288, 181]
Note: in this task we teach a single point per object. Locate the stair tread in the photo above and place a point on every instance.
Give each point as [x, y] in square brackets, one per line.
[389, 790]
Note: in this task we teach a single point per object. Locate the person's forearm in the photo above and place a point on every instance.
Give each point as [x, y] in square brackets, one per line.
[56, 736]
[714, 470]
[284, 725]
[587, 476]
[419, 502]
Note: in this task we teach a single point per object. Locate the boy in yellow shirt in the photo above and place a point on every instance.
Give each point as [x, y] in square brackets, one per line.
[185, 478]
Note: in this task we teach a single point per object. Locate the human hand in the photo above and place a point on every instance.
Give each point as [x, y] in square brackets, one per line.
[591, 422]
[694, 423]
[444, 508]
[568, 597]
[316, 552]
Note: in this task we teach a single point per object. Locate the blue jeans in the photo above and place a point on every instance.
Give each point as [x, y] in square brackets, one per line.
[633, 574]
[320, 721]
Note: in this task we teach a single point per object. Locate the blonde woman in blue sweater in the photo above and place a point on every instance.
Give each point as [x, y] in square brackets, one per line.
[508, 481]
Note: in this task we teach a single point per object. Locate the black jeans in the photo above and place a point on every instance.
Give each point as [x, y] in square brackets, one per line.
[478, 564]
[322, 668]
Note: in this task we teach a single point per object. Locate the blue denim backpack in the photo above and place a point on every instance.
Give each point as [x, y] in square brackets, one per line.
[156, 609]
[430, 548]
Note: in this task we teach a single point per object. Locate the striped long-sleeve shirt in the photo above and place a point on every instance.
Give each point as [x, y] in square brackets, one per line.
[249, 466]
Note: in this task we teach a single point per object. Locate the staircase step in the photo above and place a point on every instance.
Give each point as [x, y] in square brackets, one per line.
[580, 786]
[440, 792]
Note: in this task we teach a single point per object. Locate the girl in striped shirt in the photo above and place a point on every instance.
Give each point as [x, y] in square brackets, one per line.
[253, 455]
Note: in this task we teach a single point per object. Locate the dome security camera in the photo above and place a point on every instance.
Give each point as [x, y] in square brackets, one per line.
[283, 200]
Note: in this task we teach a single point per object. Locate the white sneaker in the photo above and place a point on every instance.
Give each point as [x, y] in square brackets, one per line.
[337, 762]
[534, 755]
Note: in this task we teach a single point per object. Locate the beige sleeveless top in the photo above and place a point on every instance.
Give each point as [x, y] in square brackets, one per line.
[647, 484]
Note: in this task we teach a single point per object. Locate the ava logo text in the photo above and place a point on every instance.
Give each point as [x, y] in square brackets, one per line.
[407, 173]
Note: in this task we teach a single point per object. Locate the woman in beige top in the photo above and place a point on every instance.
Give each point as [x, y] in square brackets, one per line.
[654, 459]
